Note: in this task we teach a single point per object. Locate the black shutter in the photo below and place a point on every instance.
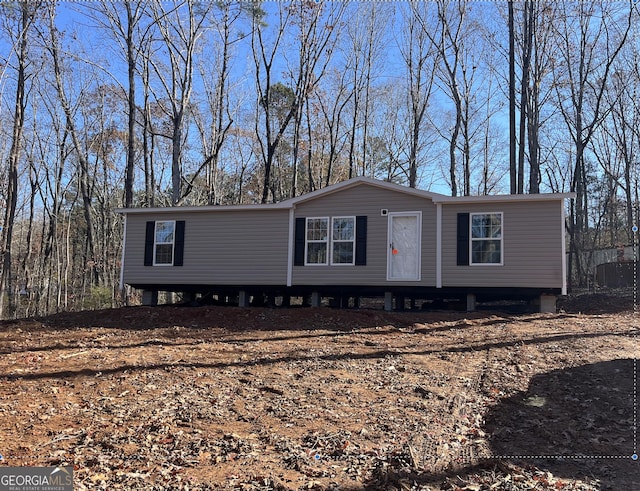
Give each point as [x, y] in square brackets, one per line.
[361, 240]
[298, 254]
[178, 247]
[148, 243]
[463, 239]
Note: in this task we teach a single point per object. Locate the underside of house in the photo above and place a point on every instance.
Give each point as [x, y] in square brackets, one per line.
[355, 296]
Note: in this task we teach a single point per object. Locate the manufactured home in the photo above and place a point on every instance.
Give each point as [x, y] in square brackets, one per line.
[358, 238]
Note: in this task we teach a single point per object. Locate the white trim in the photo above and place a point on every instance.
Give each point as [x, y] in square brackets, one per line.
[124, 246]
[418, 215]
[563, 238]
[438, 245]
[363, 180]
[471, 239]
[173, 243]
[326, 242]
[291, 246]
[353, 241]
[284, 205]
[501, 198]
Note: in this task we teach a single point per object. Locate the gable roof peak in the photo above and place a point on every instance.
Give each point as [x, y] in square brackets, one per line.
[358, 181]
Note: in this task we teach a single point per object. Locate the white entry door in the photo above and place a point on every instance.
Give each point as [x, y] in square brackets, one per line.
[403, 256]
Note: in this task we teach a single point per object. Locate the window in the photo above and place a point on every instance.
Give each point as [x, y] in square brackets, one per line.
[317, 242]
[486, 238]
[163, 243]
[343, 240]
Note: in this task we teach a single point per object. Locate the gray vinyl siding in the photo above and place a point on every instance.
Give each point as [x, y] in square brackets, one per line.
[250, 246]
[246, 247]
[532, 235]
[369, 200]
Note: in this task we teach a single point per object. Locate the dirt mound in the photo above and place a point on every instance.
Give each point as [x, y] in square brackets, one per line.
[605, 301]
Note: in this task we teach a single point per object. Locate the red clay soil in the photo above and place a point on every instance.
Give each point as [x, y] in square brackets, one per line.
[218, 397]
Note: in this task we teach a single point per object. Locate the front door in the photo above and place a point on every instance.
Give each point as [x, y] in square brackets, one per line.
[403, 256]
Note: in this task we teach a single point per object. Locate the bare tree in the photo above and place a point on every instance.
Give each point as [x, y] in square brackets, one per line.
[54, 181]
[78, 114]
[456, 77]
[527, 49]
[277, 105]
[540, 90]
[318, 27]
[270, 100]
[17, 25]
[332, 102]
[366, 39]
[181, 24]
[215, 75]
[125, 23]
[513, 180]
[421, 59]
[616, 147]
[592, 35]
[148, 131]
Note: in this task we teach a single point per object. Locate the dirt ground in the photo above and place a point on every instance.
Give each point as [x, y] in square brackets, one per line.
[218, 397]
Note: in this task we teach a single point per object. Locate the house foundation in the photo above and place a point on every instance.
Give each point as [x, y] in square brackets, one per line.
[243, 299]
[393, 299]
[471, 302]
[548, 303]
[388, 301]
[150, 298]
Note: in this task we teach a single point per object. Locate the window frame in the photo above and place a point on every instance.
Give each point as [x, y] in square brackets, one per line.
[308, 241]
[342, 241]
[156, 243]
[485, 239]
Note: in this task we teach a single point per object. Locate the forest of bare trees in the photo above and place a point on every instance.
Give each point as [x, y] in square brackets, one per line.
[109, 104]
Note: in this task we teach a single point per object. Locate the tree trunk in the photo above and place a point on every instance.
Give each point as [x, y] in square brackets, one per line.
[512, 102]
[452, 154]
[131, 96]
[524, 90]
[83, 164]
[6, 279]
[176, 159]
